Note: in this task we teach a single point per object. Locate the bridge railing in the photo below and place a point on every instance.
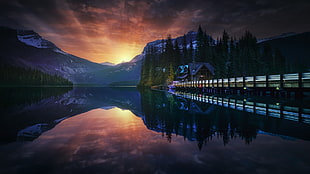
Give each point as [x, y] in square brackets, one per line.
[276, 110]
[293, 80]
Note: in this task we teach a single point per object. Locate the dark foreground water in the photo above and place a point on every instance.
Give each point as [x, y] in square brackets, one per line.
[121, 130]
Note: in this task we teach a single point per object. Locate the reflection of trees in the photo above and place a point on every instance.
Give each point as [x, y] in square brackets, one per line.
[19, 109]
[29, 107]
[194, 120]
[14, 96]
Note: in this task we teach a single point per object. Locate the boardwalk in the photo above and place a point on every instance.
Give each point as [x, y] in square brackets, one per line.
[283, 84]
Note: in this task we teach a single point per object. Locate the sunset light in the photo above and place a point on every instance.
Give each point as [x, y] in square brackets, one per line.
[116, 31]
[154, 86]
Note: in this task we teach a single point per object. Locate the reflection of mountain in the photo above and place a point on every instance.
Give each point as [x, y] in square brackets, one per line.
[28, 116]
[201, 122]
[40, 115]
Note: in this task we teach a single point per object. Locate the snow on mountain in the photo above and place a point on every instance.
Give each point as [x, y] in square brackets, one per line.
[32, 38]
[107, 63]
[73, 102]
[159, 45]
[26, 48]
[32, 131]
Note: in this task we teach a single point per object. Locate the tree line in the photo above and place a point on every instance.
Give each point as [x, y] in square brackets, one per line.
[229, 56]
[17, 76]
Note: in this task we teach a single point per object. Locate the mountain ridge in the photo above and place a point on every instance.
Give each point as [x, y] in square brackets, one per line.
[27, 49]
[294, 47]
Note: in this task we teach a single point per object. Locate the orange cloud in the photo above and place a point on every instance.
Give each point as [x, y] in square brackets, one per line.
[114, 35]
[117, 30]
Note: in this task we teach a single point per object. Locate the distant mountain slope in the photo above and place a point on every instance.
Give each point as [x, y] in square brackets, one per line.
[107, 63]
[284, 35]
[159, 45]
[26, 48]
[294, 47]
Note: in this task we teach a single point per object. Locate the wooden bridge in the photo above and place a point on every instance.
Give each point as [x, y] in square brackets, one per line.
[275, 85]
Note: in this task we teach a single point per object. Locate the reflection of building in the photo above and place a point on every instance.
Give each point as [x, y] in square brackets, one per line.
[195, 71]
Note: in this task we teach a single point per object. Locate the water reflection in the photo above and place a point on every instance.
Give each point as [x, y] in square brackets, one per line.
[119, 130]
[117, 141]
[277, 110]
[191, 117]
[202, 122]
[30, 111]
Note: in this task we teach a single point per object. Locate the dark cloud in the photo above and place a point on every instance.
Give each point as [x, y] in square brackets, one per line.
[92, 24]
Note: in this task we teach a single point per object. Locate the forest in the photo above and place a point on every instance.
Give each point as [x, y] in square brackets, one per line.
[229, 56]
[17, 76]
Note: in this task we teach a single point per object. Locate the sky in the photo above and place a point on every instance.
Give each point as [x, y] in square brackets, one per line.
[117, 30]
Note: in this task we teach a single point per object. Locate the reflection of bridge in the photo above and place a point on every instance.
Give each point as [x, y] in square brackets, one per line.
[283, 84]
[277, 110]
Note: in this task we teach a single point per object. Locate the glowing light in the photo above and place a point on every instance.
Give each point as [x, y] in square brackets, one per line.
[126, 55]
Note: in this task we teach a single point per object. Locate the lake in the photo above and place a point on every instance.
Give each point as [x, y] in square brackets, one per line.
[123, 130]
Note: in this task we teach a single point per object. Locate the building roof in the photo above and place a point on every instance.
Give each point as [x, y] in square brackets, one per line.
[183, 69]
[195, 67]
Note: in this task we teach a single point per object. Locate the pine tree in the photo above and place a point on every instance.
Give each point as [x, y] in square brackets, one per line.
[11, 75]
[231, 59]
[200, 45]
[279, 62]
[177, 54]
[191, 53]
[267, 59]
[184, 51]
[249, 54]
[170, 59]
[225, 55]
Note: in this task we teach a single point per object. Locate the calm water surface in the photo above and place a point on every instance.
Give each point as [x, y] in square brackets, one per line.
[105, 130]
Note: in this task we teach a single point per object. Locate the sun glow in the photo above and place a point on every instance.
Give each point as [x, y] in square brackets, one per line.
[125, 56]
[125, 53]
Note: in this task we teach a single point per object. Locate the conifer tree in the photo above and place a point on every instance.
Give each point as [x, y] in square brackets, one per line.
[200, 45]
[249, 54]
[231, 59]
[268, 59]
[184, 51]
[279, 62]
[191, 53]
[177, 54]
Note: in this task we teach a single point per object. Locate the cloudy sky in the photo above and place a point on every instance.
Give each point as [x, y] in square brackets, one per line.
[117, 30]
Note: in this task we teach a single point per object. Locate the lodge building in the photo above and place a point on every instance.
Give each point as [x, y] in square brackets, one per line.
[195, 71]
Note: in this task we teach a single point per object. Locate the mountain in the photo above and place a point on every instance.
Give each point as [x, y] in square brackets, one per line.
[284, 35]
[160, 44]
[124, 74]
[107, 63]
[137, 58]
[294, 47]
[27, 49]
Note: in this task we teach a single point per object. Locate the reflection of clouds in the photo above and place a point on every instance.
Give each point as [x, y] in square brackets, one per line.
[117, 141]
